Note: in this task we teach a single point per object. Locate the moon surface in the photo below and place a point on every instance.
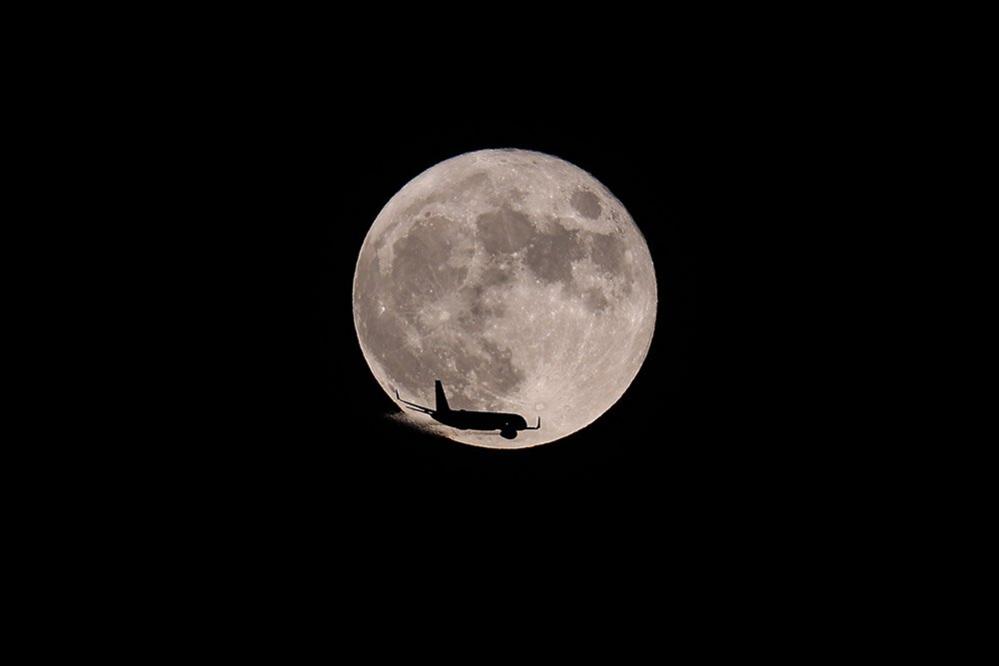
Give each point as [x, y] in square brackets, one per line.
[515, 278]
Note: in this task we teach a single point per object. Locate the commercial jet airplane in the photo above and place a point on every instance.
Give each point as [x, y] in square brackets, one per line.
[508, 424]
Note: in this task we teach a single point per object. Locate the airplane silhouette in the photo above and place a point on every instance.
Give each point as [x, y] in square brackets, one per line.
[507, 424]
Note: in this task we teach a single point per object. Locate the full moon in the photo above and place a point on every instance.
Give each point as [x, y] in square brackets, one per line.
[515, 278]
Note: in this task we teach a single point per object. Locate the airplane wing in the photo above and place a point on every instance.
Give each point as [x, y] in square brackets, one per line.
[413, 405]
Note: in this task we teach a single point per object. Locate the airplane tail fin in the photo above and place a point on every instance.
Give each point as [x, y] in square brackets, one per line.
[442, 405]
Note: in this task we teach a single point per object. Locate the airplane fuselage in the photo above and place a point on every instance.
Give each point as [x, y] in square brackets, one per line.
[507, 424]
[468, 420]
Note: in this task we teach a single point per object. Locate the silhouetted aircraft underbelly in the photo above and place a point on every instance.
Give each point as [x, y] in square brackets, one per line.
[464, 420]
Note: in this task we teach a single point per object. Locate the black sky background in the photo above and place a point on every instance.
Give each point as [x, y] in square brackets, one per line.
[289, 421]
[250, 450]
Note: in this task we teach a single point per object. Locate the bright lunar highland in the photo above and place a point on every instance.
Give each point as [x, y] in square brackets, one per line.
[515, 278]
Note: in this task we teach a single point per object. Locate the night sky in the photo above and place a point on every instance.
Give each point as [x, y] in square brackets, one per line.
[302, 419]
